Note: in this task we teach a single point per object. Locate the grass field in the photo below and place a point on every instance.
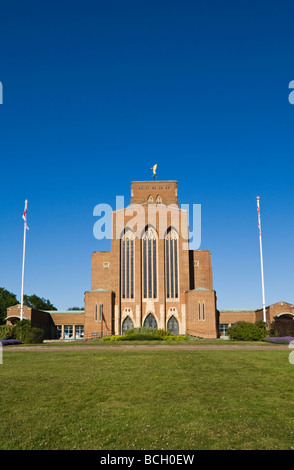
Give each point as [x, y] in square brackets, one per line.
[127, 399]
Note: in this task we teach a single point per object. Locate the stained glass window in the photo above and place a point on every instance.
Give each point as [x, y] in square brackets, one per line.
[150, 321]
[127, 325]
[173, 325]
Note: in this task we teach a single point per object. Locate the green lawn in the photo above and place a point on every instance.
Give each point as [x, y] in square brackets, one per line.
[171, 399]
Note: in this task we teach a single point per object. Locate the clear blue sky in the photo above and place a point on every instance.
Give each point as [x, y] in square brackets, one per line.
[96, 92]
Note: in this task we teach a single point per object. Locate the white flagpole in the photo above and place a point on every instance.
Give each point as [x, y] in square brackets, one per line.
[23, 258]
[261, 260]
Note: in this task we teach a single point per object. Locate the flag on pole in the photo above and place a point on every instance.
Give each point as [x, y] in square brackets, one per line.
[261, 260]
[258, 212]
[24, 216]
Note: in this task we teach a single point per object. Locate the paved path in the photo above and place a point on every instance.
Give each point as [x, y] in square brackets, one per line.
[194, 347]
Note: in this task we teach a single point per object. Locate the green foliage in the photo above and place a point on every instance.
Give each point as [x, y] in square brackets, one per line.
[246, 331]
[142, 329]
[145, 334]
[23, 331]
[283, 327]
[38, 303]
[34, 336]
[7, 299]
[7, 332]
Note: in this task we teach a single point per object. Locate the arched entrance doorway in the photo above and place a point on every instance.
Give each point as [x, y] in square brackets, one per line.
[150, 321]
[283, 324]
[127, 325]
[173, 325]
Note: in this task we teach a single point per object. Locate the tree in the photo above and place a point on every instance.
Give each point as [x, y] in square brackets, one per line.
[7, 299]
[38, 303]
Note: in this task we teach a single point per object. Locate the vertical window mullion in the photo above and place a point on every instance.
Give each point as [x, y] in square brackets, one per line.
[154, 269]
[167, 266]
[123, 269]
[145, 268]
[128, 268]
[172, 268]
[132, 269]
[176, 268]
[149, 269]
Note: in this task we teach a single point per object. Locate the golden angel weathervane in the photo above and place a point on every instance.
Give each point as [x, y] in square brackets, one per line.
[154, 171]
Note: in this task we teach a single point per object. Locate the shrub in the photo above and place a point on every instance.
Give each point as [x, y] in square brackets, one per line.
[21, 329]
[279, 339]
[140, 330]
[162, 333]
[282, 328]
[246, 331]
[145, 334]
[7, 342]
[7, 332]
[27, 334]
[34, 335]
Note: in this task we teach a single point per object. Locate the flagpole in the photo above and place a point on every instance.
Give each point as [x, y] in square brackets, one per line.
[23, 258]
[261, 260]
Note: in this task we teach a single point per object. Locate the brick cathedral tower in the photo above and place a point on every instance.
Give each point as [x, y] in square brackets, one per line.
[150, 277]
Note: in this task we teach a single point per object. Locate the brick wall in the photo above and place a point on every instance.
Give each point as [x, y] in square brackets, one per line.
[199, 323]
[233, 316]
[167, 190]
[96, 321]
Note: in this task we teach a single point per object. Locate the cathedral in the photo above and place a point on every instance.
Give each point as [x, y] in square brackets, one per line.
[150, 277]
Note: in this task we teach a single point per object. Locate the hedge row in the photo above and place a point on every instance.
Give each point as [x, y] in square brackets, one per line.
[145, 334]
[22, 331]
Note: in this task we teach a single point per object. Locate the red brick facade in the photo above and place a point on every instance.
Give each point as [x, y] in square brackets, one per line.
[279, 310]
[150, 277]
[174, 299]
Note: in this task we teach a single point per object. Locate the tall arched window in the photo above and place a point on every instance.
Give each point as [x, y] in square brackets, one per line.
[127, 265]
[149, 263]
[171, 264]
